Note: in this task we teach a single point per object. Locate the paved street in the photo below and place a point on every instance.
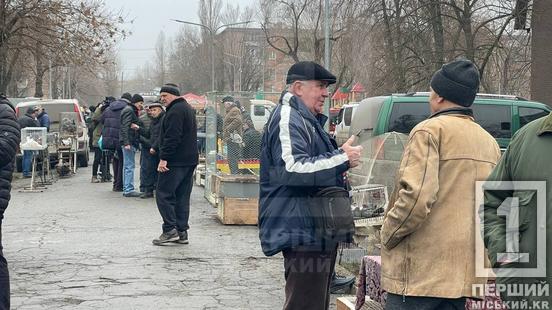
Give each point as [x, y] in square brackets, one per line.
[79, 245]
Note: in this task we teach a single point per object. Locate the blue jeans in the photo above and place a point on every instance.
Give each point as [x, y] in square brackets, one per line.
[27, 162]
[128, 169]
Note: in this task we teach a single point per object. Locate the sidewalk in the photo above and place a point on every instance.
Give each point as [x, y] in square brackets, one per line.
[79, 245]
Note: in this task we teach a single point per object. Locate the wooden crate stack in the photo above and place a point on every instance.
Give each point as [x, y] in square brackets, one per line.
[237, 198]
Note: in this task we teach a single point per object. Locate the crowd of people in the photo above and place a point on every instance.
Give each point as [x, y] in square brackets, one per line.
[430, 227]
[166, 133]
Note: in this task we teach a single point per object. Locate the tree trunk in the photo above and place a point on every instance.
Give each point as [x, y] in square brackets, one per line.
[466, 24]
[39, 93]
[436, 21]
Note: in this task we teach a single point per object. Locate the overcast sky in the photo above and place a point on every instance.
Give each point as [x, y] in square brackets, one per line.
[150, 18]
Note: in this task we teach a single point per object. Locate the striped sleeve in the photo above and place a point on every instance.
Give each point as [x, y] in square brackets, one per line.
[293, 142]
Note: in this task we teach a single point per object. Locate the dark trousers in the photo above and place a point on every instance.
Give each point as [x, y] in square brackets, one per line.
[174, 188]
[4, 278]
[308, 274]
[118, 169]
[234, 153]
[396, 302]
[148, 171]
[97, 161]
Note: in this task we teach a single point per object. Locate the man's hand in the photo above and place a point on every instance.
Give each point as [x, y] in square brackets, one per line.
[127, 147]
[162, 166]
[134, 126]
[152, 151]
[353, 152]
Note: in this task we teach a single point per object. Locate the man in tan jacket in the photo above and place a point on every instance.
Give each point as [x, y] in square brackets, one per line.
[429, 231]
[232, 132]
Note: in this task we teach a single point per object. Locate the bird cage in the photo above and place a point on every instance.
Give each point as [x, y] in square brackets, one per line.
[33, 139]
[68, 124]
[369, 200]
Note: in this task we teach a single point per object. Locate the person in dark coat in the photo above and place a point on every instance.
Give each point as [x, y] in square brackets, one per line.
[149, 138]
[251, 140]
[178, 157]
[97, 128]
[111, 120]
[130, 143]
[9, 142]
[43, 118]
[28, 120]
[144, 132]
[298, 159]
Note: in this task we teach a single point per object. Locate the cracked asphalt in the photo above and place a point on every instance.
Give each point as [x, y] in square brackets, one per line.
[79, 245]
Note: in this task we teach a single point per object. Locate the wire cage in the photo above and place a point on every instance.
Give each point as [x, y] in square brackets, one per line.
[233, 133]
[369, 200]
[33, 139]
[68, 124]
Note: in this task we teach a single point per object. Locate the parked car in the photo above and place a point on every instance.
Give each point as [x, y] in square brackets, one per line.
[260, 112]
[383, 124]
[333, 120]
[500, 115]
[54, 107]
[344, 119]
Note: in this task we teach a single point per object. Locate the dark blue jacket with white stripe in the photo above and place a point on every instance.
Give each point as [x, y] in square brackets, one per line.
[298, 159]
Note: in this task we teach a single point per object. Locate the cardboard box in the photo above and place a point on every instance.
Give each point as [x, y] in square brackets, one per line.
[345, 303]
[349, 303]
[238, 211]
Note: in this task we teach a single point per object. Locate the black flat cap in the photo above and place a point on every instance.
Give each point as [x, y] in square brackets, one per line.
[309, 70]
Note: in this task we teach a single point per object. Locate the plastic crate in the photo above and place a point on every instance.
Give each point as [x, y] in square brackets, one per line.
[33, 139]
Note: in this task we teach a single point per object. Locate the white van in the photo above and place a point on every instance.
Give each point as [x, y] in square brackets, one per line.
[54, 108]
[344, 120]
[260, 112]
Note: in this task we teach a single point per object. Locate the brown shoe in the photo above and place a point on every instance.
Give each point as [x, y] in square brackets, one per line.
[94, 180]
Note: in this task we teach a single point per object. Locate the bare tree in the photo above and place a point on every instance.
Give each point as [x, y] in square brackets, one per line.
[160, 59]
[61, 31]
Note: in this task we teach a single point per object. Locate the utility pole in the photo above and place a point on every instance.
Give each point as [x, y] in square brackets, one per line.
[327, 54]
[122, 80]
[50, 78]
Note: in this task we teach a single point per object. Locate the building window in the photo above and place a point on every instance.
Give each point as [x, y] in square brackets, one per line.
[271, 75]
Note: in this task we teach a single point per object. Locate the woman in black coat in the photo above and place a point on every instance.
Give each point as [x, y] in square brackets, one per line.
[10, 136]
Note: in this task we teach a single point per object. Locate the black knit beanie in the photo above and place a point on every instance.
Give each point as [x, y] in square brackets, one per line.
[126, 96]
[137, 98]
[171, 89]
[457, 81]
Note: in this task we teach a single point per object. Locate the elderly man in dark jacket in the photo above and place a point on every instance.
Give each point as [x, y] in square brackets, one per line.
[28, 120]
[178, 157]
[9, 142]
[111, 120]
[130, 142]
[298, 158]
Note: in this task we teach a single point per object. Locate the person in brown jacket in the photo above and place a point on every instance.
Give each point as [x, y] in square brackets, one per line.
[232, 132]
[429, 229]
